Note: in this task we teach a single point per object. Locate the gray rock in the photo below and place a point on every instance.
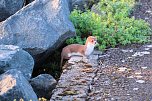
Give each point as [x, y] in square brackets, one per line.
[96, 9]
[41, 26]
[9, 7]
[12, 57]
[43, 83]
[13, 85]
[81, 4]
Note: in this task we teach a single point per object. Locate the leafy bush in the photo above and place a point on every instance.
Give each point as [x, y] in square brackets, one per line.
[118, 8]
[85, 23]
[112, 25]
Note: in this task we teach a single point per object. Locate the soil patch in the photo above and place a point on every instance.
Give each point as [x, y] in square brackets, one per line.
[124, 75]
[143, 10]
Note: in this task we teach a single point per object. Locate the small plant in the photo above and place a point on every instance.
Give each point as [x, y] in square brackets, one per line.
[112, 25]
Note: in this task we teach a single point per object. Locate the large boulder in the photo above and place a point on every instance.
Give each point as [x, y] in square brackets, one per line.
[9, 7]
[43, 83]
[14, 86]
[12, 57]
[39, 27]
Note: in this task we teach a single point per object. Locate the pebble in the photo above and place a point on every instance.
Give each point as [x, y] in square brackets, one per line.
[95, 79]
[149, 46]
[123, 61]
[141, 53]
[135, 88]
[130, 77]
[125, 51]
[138, 73]
[148, 11]
[146, 18]
[122, 69]
[140, 81]
[112, 99]
[129, 57]
[144, 67]
[139, 76]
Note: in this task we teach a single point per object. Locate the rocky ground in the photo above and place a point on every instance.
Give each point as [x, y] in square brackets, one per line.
[124, 75]
[143, 10]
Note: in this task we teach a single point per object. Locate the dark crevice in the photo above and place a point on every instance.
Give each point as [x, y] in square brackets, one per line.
[51, 65]
[90, 85]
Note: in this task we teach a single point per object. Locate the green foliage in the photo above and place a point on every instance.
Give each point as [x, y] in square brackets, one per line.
[112, 25]
[84, 22]
[117, 8]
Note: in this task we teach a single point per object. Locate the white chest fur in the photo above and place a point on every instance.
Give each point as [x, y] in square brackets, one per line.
[89, 49]
[74, 53]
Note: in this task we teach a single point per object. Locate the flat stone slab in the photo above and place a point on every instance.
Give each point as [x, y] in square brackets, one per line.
[74, 83]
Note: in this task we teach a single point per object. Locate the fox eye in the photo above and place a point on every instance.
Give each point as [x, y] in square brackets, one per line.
[92, 40]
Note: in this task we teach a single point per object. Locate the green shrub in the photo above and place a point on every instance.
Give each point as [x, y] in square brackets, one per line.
[85, 23]
[120, 8]
[112, 27]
